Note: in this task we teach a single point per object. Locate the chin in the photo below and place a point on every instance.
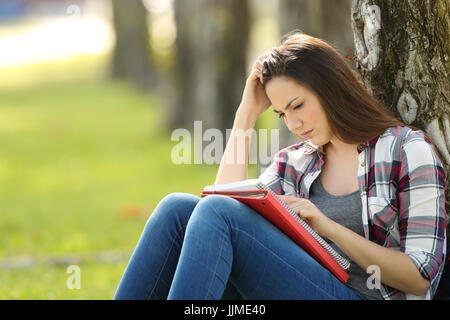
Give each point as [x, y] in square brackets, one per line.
[318, 143]
[314, 141]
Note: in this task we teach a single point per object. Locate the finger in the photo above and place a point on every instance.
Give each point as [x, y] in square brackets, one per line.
[284, 198]
[299, 212]
[257, 66]
[263, 56]
[288, 201]
[256, 75]
[258, 72]
[289, 198]
[299, 207]
[256, 63]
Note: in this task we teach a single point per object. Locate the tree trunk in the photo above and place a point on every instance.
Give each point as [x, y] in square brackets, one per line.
[403, 56]
[181, 105]
[132, 55]
[231, 57]
[210, 57]
[325, 19]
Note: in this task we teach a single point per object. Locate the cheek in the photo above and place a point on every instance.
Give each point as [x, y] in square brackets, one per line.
[318, 117]
[313, 117]
[317, 120]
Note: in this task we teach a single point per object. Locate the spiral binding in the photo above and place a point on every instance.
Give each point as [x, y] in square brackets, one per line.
[343, 262]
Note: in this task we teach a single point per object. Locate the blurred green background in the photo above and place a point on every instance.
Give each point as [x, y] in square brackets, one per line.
[84, 161]
[86, 122]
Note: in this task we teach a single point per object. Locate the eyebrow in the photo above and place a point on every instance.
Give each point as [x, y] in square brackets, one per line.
[287, 106]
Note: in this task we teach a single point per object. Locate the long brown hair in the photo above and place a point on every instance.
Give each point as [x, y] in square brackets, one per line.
[354, 115]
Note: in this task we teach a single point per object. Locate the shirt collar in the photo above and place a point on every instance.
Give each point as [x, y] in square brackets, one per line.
[370, 143]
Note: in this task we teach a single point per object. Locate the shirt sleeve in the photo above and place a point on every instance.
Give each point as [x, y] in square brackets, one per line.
[422, 205]
[271, 175]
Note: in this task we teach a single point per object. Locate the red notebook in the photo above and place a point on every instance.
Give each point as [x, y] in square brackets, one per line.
[255, 195]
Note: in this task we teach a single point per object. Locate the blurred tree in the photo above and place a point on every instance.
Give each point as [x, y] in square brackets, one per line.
[403, 55]
[132, 55]
[231, 57]
[210, 56]
[325, 19]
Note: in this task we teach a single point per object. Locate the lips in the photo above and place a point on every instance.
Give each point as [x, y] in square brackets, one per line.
[306, 134]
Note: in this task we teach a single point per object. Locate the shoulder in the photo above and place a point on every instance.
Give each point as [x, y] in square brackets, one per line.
[296, 153]
[410, 147]
[401, 139]
[402, 135]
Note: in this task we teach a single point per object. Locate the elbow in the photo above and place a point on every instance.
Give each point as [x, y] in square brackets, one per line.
[416, 282]
[420, 288]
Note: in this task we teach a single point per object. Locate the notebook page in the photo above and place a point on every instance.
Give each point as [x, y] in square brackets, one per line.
[245, 185]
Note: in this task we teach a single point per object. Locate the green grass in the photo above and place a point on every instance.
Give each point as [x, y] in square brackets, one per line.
[97, 282]
[83, 162]
[83, 67]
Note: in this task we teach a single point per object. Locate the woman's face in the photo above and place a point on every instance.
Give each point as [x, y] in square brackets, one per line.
[300, 108]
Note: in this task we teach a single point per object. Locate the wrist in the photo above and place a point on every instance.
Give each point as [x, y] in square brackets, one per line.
[246, 115]
[332, 230]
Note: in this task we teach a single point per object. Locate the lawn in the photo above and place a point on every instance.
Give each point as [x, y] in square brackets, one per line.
[83, 162]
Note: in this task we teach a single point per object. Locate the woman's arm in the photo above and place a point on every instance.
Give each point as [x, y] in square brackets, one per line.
[234, 164]
[396, 269]
[418, 261]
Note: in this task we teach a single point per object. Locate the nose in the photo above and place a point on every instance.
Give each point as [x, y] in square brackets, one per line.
[293, 123]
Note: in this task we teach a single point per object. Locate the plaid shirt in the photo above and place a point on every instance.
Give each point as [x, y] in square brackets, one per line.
[401, 182]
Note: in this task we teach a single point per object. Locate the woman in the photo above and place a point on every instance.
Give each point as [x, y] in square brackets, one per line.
[370, 185]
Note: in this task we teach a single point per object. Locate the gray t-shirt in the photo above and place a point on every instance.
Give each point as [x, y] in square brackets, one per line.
[345, 210]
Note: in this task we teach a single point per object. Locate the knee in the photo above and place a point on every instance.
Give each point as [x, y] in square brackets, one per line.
[175, 205]
[179, 198]
[216, 206]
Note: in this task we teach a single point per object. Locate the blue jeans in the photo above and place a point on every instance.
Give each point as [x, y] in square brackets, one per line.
[218, 248]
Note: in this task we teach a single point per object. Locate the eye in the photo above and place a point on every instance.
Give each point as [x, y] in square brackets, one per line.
[280, 115]
[298, 106]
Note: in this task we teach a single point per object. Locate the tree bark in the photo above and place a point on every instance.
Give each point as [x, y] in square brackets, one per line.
[231, 57]
[181, 105]
[403, 57]
[132, 55]
[209, 71]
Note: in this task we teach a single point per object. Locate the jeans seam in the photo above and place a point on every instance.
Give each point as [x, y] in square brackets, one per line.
[288, 264]
[256, 240]
[218, 230]
[165, 261]
[259, 282]
[282, 260]
[221, 248]
[247, 261]
[217, 262]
